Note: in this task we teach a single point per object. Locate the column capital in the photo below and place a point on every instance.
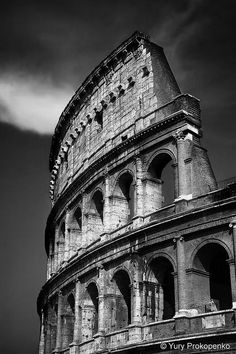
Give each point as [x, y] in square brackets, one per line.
[100, 267]
[137, 156]
[179, 135]
[178, 238]
[232, 223]
[106, 172]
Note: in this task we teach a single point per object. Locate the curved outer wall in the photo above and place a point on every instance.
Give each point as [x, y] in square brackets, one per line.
[128, 262]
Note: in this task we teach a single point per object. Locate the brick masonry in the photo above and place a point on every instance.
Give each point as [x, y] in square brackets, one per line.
[127, 269]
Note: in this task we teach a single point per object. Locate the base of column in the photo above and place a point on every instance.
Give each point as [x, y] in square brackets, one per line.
[135, 333]
[184, 197]
[99, 339]
[104, 237]
[74, 348]
[137, 221]
[182, 319]
[186, 313]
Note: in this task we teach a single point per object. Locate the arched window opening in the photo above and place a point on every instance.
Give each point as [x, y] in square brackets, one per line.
[50, 315]
[62, 231]
[168, 188]
[78, 218]
[123, 200]
[122, 308]
[160, 293]
[99, 119]
[68, 321]
[211, 275]
[90, 312]
[75, 229]
[97, 204]
[95, 217]
[61, 242]
[51, 266]
[160, 183]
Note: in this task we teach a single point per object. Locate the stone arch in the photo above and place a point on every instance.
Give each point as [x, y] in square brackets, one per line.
[122, 268]
[68, 320]
[161, 181]
[61, 230]
[50, 313]
[95, 215]
[121, 307]
[158, 152]
[164, 255]
[96, 203]
[123, 198]
[159, 288]
[90, 313]
[205, 242]
[75, 228]
[128, 170]
[210, 274]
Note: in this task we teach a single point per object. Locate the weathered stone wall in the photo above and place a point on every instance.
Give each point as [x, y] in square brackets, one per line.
[124, 268]
[136, 86]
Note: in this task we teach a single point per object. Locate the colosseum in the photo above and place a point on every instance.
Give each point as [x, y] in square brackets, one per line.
[141, 239]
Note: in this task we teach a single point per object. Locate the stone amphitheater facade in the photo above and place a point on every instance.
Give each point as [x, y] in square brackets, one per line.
[141, 240]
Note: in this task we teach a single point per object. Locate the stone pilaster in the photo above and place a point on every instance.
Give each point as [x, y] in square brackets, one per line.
[107, 206]
[232, 263]
[101, 302]
[51, 258]
[49, 266]
[74, 347]
[232, 281]
[42, 334]
[56, 249]
[181, 275]
[84, 219]
[136, 299]
[139, 188]
[136, 294]
[67, 236]
[59, 323]
[184, 191]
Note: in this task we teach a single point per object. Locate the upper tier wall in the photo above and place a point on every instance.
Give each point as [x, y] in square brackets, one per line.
[138, 89]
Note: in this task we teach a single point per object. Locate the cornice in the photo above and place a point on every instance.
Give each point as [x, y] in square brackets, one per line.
[96, 165]
[168, 222]
[85, 90]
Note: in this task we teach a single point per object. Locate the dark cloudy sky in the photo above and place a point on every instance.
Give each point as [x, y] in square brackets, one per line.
[47, 48]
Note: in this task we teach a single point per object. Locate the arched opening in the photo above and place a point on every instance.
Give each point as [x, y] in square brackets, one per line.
[78, 218]
[122, 308]
[123, 200]
[99, 119]
[50, 314]
[97, 204]
[75, 229]
[51, 268]
[211, 276]
[90, 312]
[61, 242]
[68, 321]
[95, 217]
[160, 183]
[160, 292]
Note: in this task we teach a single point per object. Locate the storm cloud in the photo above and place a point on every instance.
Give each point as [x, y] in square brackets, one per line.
[62, 42]
[47, 48]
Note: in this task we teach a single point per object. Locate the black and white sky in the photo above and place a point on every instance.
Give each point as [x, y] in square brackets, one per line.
[47, 48]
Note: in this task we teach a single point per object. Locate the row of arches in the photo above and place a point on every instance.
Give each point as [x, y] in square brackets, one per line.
[209, 289]
[159, 188]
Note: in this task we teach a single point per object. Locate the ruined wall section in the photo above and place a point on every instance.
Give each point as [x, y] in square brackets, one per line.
[122, 104]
